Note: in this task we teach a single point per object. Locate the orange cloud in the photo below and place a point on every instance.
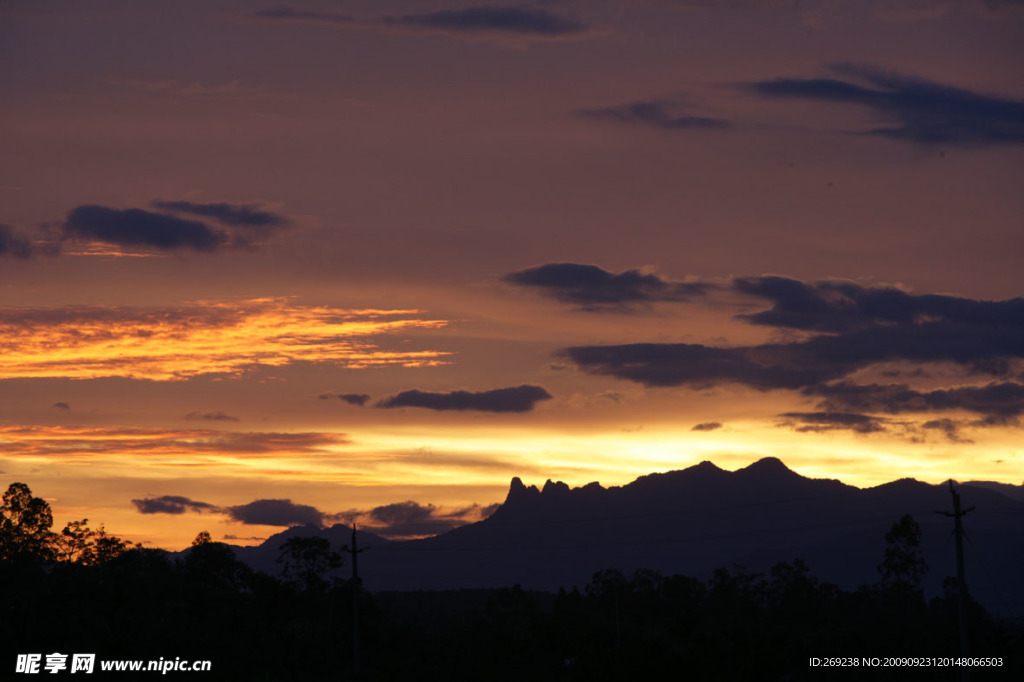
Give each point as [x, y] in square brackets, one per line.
[88, 441]
[42, 452]
[167, 344]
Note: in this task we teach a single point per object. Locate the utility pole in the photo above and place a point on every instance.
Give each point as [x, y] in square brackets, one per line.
[354, 551]
[961, 581]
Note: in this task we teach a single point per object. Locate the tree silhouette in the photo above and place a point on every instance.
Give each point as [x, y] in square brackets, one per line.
[213, 565]
[80, 544]
[202, 538]
[25, 523]
[106, 547]
[307, 560]
[904, 565]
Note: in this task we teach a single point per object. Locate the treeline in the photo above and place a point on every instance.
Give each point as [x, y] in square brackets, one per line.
[26, 532]
[300, 625]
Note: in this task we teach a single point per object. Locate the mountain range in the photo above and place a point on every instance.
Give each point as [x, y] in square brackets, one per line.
[693, 521]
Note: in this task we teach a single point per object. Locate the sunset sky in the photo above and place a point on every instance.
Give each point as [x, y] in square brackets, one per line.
[266, 263]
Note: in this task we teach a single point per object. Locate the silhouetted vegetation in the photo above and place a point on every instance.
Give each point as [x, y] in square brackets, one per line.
[26, 535]
[143, 604]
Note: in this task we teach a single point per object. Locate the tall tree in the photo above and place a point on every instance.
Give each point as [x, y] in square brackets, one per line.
[80, 544]
[903, 564]
[25, 523]
[307, 562]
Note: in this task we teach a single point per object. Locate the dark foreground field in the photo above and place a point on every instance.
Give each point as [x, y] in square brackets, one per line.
[143, 604]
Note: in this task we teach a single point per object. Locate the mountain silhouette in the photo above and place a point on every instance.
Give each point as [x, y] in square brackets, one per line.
[692, 521]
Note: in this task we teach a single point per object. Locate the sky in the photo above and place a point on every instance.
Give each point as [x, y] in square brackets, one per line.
[271, 263]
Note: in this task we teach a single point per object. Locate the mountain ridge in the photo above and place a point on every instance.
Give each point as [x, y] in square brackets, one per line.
[691, 521]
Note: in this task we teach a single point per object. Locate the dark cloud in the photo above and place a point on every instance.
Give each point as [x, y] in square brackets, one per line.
[136, 227]
[850, 328]
[981, 349]
[62, 406]
[707, 426]
[833, 421]
[518, 21]
[1000, 402]
[661, 114]
[595, 289]
[412, 519]
[858, 327]
[920, 111]
[211, 416]
[14, 245]
[949, 427]
[276, 513]
[241, 215]
[245, 225]
[509, 21]
[800, 364]
[681, 364]
[517, 399]
[350, 398]
[171, 504]
[835, 306]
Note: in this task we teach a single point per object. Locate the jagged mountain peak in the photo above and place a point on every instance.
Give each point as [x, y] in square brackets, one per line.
[552, 488]
[767, 467]
[517, 490]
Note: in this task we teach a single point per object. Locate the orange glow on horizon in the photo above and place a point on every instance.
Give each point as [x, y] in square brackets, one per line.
[333, 470]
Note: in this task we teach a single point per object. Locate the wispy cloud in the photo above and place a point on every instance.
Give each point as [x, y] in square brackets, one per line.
[211, 416]
[595, 289]
[13, 244]
[661, 114]
[491, 22]
[172, 504]
[350, 398]
[517, 399]
[917, 110]
[88, 442]
[245, 215]
[166, 344]
[510, 20]
[835, 421]
[409, 519]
